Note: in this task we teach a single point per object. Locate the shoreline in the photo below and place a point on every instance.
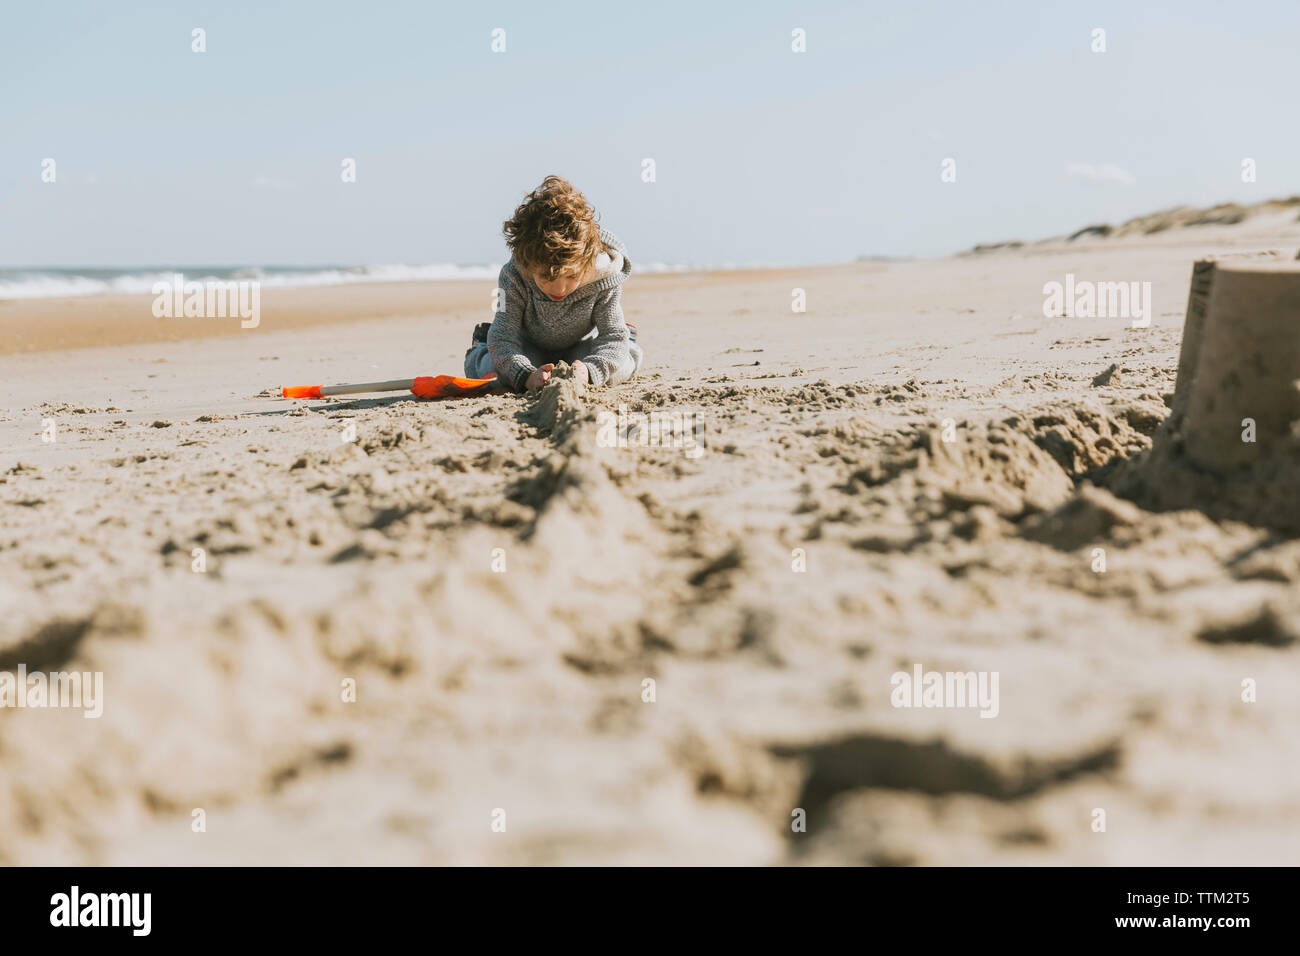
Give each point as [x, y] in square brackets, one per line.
[29, 326]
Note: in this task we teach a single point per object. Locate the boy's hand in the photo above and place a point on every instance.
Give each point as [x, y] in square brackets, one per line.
[538, 377]
[581, 373]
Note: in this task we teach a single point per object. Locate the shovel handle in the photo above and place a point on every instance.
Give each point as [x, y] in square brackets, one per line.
[324, 391]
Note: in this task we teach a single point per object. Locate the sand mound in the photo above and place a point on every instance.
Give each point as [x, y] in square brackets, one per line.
[1016, 466]
[1264, 494]
[556, 408]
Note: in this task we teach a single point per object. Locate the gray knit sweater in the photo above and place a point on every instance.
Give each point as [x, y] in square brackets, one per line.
[529, 326]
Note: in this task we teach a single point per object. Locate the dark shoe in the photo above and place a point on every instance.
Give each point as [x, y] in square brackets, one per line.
[480, 332]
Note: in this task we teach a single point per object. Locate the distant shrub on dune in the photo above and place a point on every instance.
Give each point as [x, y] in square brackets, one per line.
[1225, 214]
[1101, 231]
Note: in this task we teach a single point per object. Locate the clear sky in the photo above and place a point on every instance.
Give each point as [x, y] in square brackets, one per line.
[165, 156]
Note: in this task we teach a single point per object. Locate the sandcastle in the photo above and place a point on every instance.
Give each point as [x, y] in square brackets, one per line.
[1231, 445]
[1240, 361]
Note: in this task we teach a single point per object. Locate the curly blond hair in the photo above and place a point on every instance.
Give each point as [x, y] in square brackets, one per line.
[554, 230]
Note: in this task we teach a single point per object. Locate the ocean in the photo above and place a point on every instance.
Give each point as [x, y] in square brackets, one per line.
[48, 283]
[44, 283]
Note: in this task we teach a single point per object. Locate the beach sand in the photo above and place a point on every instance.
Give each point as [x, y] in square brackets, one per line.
[498, 586]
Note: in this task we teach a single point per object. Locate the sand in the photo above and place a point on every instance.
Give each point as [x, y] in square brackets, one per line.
[919, 470]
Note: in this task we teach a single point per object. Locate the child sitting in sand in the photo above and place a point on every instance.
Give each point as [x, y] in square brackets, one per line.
[558, 298]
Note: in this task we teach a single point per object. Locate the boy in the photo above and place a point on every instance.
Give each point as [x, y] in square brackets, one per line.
[559, 298]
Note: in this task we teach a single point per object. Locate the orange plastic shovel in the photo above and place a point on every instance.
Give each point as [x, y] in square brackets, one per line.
[425, 386]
